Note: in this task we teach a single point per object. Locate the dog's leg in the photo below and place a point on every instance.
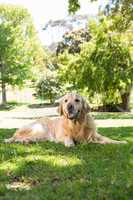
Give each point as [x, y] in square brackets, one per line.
[105, 140]
[9, 140]
[14, 139]
[19, 136]
[68, 142]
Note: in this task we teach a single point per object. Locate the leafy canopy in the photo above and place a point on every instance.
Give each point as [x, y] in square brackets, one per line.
[72, 41]
[104, 65]
[20, 48]
[123, 9]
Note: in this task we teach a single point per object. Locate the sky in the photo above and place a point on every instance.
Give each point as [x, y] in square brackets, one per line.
[44, 10]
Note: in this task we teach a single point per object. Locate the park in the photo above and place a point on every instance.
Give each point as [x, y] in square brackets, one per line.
[87, 54]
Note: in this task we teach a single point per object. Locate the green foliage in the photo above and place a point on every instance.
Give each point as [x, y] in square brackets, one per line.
[73, 6]
[48, 87]
[66, 70]
[112, 58]
[11, 105]
[104, 65]
[121, 10]
[72, 41]
[46, 170]
[20, 48]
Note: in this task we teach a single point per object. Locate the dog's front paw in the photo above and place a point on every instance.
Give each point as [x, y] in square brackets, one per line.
[9, 140]
[68, 142]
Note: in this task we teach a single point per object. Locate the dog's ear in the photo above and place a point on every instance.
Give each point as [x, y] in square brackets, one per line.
[86, 107]
[59, 109]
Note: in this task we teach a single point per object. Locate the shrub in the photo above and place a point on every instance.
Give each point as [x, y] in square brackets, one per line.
[48, 88]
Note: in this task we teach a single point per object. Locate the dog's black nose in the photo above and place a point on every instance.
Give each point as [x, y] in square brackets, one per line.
[70, 107]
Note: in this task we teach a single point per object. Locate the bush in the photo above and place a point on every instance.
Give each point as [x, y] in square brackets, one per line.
[48, 88]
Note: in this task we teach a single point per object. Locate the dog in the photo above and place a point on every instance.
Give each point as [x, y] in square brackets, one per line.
[74, 125]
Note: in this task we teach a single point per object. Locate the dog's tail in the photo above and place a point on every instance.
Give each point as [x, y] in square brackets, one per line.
[9, 140]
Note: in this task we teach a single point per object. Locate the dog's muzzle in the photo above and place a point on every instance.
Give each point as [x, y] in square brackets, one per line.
[71, 112]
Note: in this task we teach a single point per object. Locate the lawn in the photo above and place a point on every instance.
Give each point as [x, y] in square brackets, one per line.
[112, 115]
[48, 171]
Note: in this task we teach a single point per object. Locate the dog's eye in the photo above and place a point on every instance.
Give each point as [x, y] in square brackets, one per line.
[77, 100]
[66, 100]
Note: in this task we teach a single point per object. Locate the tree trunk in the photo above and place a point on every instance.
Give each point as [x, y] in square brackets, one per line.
[125, 97]
[3, 87]
[51, 101]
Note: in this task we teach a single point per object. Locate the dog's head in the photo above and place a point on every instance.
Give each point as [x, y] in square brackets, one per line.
[73, 106]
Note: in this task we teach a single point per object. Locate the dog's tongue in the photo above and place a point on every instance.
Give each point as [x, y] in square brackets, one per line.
[72, 115]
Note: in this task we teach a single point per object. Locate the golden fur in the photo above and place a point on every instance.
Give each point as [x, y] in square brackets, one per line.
[74, 125]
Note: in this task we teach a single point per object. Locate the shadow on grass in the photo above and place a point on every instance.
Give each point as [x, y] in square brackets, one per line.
[97, 116]
[38, 117]
[43, 105]
[51, 171]
[10, 105]
[109, 115]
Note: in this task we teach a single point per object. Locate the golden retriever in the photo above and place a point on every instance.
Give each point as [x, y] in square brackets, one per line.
[73, 125]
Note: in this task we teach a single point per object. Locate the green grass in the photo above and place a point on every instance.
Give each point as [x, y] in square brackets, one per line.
[49, 171]
[11, 105]
[109, 115]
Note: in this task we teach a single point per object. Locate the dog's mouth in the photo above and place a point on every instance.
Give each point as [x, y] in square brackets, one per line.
[73, 115]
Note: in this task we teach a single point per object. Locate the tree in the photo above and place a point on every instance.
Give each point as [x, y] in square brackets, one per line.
[48, 87]
[72, 41]
[104, 65]
[20, 48]
[113, 60]
[121, 8]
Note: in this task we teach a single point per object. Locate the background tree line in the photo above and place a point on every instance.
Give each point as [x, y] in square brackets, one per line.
[20, 49]
[96, 61]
